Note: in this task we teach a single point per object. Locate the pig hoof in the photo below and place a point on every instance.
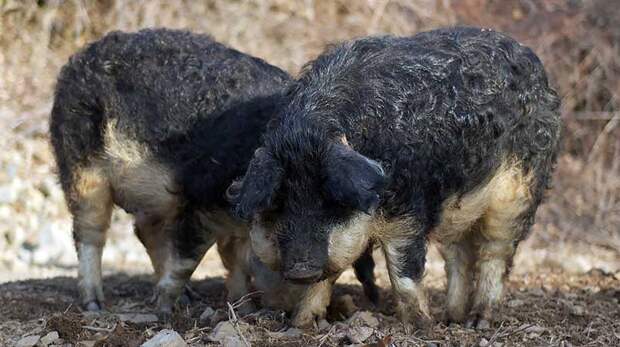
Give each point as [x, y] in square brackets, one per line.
[246, 308]
[185, 300]
[476, 321]
[93, 306]
[305, 322]
[165, 317]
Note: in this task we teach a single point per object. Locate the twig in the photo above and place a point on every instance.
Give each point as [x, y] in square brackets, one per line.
[232, 317]
[323, 338]
[68, 308]
[495, 335]
[105, 330]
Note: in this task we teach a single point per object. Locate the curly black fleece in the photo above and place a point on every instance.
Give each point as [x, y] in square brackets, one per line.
[198, 105]
[439, 111]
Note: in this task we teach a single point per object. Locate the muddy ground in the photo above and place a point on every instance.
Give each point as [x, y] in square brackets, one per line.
[544, 308]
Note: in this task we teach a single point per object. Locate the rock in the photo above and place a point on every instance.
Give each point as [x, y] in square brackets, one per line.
[534, 329]
[577, 310]
[233, 341]
[515, 303]
[293, 332]
[225, 329]
[88, 343]
[483, 342]
[359, 334]
[50, 338]
[28, 341]
[137, 318]
[364, 318]
[206, 315]
[165, 338]
[324, 325]
[218, 316]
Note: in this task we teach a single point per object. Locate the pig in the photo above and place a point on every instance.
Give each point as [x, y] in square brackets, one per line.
[248, 274]
[158, 122]
[447, 136]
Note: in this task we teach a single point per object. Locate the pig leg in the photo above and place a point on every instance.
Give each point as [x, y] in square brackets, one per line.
[158, 244]
[459, 260]
[509, 216]
[364, 268]
[405, 259]
[90, 202]
[189, 243]
[494, 259]
[234, 252]
[313, 304]
[150, 230]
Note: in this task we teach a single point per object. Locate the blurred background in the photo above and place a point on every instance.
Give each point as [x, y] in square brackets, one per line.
[578, 229]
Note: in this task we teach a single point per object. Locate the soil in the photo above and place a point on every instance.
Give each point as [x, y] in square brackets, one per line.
[540, 309]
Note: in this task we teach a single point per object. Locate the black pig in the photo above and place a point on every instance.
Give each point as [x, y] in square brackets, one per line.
[448, 135]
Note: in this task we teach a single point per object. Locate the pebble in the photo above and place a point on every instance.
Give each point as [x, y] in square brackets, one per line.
[515, 303]
[206, 315]
[165, 338]
[293, 332]
[577, 310]
[28, 341]
[324, 325]
[233, 341]
[50, 338]
[223, 330]
[359, 334]
[364, 318]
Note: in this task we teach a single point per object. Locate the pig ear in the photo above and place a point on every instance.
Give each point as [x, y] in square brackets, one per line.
[255, 191]
[353, 179]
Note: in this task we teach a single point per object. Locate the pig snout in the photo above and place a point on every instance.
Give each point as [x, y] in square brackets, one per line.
[303, 273]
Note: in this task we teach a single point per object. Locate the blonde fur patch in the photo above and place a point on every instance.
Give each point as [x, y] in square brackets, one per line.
[314, 303]
[347, 242]
[140, 182]
[502, 199]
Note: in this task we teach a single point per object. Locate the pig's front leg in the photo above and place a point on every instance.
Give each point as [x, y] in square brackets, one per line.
[313, 304]
[405, 259]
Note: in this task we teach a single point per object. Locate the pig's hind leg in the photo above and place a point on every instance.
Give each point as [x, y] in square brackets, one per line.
[187, 243]
[90, 202]
[509, 215]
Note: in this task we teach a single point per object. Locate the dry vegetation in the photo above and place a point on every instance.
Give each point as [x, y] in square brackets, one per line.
[577, 231]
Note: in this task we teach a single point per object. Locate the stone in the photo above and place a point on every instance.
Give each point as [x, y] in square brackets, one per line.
[364, 318]
[50, 338]
[165, 338]
[222, 330]
[293, 332]
[28, 341]
[206, 315]
[233, 341]
[218, 316]
[87, 343]
[515, 303]
[534, 329]
[324, 325]
[137, 318]
[577, 310]
[359, 334]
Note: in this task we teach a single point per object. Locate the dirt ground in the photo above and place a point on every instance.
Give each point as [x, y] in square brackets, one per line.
[544, 306]
[565, 285]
